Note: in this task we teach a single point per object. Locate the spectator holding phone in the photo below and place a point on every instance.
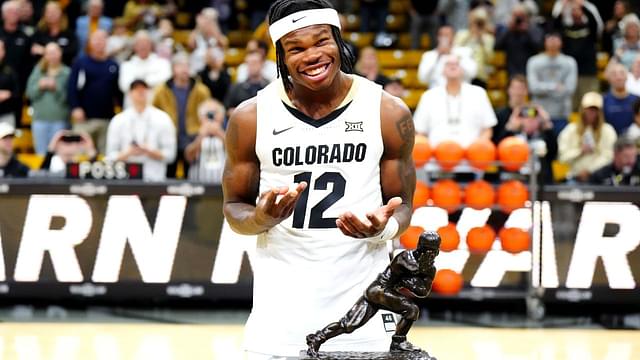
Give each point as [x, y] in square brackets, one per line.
[47, 91]
[206, 153]
[142, 134]
[587, 144]
[65, 147]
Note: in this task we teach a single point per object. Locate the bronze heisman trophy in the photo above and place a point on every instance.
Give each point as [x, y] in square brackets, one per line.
[408, 276]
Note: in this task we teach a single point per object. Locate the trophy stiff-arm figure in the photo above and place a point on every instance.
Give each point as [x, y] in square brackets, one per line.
[408, 276]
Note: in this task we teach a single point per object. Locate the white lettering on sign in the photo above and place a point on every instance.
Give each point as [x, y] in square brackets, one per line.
[38, 237]
[591, 244]
[231, 248]
[153, 251]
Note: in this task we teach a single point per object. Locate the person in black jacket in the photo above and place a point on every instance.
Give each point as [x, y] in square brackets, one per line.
[624, 169]
[533, 124]
[10, 95]
[215, 75]
[10, 167]
[521, 40]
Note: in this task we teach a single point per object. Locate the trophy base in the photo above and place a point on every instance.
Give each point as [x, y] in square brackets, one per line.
[355, 355]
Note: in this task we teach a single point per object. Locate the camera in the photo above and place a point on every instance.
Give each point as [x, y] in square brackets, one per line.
[71, 138]
[529, 112]
[519, 20]
[211, 115]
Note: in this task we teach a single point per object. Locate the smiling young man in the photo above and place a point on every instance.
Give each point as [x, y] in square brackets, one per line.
[319, 167]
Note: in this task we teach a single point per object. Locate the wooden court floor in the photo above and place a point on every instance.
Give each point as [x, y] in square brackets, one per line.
[108, 341]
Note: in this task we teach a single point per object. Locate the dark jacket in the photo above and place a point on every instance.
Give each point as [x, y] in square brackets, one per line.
[609, 175]
[579, 41]
[14, 169]
[93, 86]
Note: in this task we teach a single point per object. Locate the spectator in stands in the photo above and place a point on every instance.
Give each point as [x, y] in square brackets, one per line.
[633, 132]
[17, 44]
[142, 134]
[10, 95]
[93, 90]
[520, 41]
[457, 111]
[10, 167]
[47, 91]
[552, 80]
[373, 15]
[144, 64]
[53, 27]
[394, 87]
[206, 35]
[503, 12]
[27, 21]
[455, 12]
[269, 67]
[258, 11]
[479, 38]
[344, 24]
[87, 24]
[119, 45]
[533, 124]
[163, 40]
[580, 25]
[518, 97]
[240, 92]
[627, 48]
[205, 153]
[367, 66]
[215, 75]
[180, 97]
[432, 62]
[587, 144]
[632, 83]
[618, 103]
[624, 169]
[144, 14]
[424, 19]
[65, 147]
[612, 32]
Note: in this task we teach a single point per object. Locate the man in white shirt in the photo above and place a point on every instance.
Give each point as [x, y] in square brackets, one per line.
[432, 62]
[144, 65]
[142, 134]
[458, 111]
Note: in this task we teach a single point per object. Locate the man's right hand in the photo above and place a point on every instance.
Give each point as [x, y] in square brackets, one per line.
[277, 204]
[78, 115]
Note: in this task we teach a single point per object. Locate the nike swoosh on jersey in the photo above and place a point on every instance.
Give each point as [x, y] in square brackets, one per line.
[278, 132]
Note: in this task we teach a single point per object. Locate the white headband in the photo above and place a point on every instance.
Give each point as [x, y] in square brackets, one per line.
[302, 19]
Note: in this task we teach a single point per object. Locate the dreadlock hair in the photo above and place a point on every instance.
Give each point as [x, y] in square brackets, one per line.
[283, 8]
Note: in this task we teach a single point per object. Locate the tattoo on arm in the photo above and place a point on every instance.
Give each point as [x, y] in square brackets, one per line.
[406, 170]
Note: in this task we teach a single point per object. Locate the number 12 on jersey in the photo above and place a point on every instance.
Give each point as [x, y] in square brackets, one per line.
[316, 215]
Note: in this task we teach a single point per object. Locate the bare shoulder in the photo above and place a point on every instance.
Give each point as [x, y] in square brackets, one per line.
[240, 137]
[245, 113]
[392, 107]
[397, 126]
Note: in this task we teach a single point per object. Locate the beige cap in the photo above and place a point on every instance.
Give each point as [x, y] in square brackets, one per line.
[592, 99]
[6, 129]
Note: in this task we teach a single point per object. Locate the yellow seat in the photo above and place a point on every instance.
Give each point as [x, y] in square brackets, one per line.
[27, 115]
[360, 39]
[560, 170]
[181, 37]
[396, 22]
[408, 77]
[23, 141]
[498, 80]
[234, 56]
[239, 38]
[33, 161]
[413, 57]
[391, 58]
[398, 7]
[602, 59]
[574, 116]
[499, 59]
[412, 98]
[498, 98]
[404, 41]
[353, 23]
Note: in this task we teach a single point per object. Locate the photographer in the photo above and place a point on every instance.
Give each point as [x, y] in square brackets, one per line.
[533, 124]
[206, 153]
[65, 147]
[520, 41]
[479, 38]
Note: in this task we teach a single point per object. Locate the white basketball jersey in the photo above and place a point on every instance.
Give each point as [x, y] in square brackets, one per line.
[307, 274]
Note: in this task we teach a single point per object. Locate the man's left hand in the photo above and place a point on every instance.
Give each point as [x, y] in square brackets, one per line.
[374, 223]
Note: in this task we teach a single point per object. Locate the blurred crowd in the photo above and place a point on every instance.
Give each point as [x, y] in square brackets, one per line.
[153, 82]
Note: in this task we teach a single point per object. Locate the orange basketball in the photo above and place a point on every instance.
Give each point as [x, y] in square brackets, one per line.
[449, 154]
[447, 282]
[421, 150]
[421, 195]
[409, 239]
[479, 195]
[513, 152]
[480, 239]
[512, 194]
[449, 237]
[447, 195]
[481, 153]
[514, 240]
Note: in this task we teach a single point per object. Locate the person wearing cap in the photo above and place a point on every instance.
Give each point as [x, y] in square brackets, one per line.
[587, 144]
[142, 134]
[10, 167]
[552, 78]
[319, 167]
